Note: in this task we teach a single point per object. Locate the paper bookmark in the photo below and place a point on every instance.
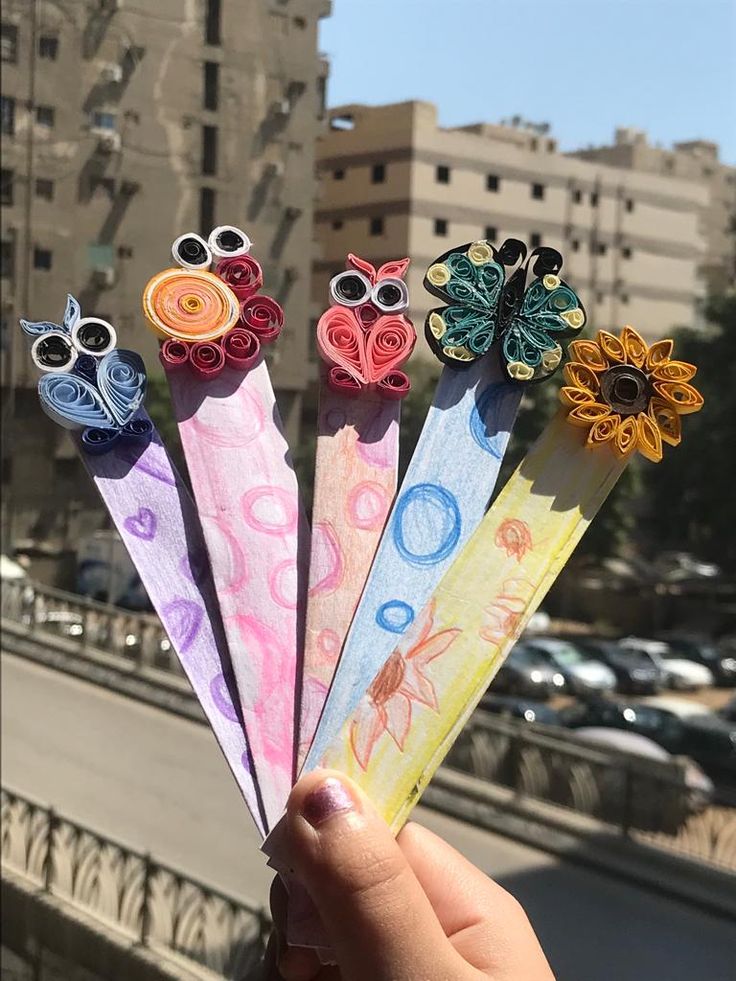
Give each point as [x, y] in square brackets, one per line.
[96, 391]
[243, 480]
[620, 397]
[454, 468]
[363, 339]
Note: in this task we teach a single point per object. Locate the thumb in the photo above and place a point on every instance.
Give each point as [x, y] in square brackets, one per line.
[377, 916]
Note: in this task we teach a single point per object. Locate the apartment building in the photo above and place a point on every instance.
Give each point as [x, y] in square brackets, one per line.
[697, 160]
[395, 183]
[124, 125]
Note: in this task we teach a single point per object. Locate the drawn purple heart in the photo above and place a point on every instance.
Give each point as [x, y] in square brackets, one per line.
[194, 566]
[182, 619]
[220, 691]
[142, 525]
[147, 463]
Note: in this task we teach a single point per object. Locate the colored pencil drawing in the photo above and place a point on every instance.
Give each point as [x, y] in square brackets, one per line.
[387, 706]
[503, 617]
[514, 537]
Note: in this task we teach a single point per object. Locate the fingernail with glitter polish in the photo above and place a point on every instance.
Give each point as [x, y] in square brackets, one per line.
[331, 797]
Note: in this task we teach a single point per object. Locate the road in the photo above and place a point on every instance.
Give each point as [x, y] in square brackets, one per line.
[158, 783]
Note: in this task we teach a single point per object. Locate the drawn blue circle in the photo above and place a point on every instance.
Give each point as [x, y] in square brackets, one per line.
[433, 518]
[394, 616]
[485, 416]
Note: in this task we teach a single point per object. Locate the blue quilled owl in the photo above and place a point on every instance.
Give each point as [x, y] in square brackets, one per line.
[488, 301]
[87, 383]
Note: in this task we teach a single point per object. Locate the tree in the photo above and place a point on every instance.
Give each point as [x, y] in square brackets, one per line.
[691, 492]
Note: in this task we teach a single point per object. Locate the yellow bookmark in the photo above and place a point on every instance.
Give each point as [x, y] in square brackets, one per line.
[621, 396]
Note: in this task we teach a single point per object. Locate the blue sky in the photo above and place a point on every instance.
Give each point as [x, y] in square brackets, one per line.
[585, 66]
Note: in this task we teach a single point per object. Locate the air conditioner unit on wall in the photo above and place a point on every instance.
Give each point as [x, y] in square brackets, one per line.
[104, 276]
[108, 140]
[281, 107]
[111, 72]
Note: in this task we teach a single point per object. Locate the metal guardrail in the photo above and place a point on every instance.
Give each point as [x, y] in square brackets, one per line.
[154, 905]
[647, 800]
[139, 638]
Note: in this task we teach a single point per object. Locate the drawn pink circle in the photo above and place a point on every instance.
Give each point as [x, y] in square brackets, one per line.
[281, 517]
[328, 643]
[368, 505]
[327, 564]
[284, 593]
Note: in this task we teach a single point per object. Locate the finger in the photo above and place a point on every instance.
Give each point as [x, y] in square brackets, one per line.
[378, 918]
[485, 924]
[294, 963]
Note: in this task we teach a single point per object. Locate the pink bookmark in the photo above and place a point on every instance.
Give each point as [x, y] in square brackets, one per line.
[243, 480]
[363, 339]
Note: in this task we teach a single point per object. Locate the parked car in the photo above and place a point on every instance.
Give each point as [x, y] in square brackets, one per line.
[519, 708]
[582, 673]
[702, 650]
[698, 783]
[525, 672]
[700, 734]
[680, 673]
[10, 569]
[683, 708]
[636, 673]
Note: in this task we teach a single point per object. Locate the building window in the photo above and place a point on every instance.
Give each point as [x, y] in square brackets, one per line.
[45, 116]
[337, 224]
[440, 226]
[599, 298]
[42, 258]
[338, 175]
[6, 186]
[7, 115]
[535, 240]
[577, 197]
[8, 42]
[211, 85]
[601, 248]
[442, 174]
[212, 18]
[7, 259]
[629, 204]
[125, 252]
[104, 120]
[493, 182]
[538, 192]
[624, 297]
[378, 173]
[626, 251]
[209, 149]
[48, 46]
[376, 226]
[491, 233]
[206, 210]
[44, 189]
[594, 199]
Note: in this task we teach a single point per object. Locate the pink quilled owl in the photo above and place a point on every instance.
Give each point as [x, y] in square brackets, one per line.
[365, 337]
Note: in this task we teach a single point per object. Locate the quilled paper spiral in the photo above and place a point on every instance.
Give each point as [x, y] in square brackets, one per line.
[241, 348]
[190, 306]
[242, 274]
[263, 316]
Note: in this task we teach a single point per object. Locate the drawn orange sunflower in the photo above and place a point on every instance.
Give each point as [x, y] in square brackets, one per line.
[627, 394]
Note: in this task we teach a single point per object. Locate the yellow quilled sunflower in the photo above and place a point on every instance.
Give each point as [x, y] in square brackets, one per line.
[627, 394]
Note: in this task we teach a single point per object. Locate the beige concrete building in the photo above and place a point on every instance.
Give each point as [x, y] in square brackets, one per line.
[394, 183]
[696, 160]
[123, 126]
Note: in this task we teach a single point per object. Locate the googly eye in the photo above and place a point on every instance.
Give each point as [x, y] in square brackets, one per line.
[94, 336]
[228, 241]
[391, 295]
[191, 251]
[350, 289]
[53, 352]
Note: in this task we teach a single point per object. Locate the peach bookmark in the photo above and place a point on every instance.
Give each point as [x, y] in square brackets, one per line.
[363, 339]
[243, 480]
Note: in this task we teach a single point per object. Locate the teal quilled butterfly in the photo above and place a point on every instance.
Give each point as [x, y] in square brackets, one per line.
[488, 302]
